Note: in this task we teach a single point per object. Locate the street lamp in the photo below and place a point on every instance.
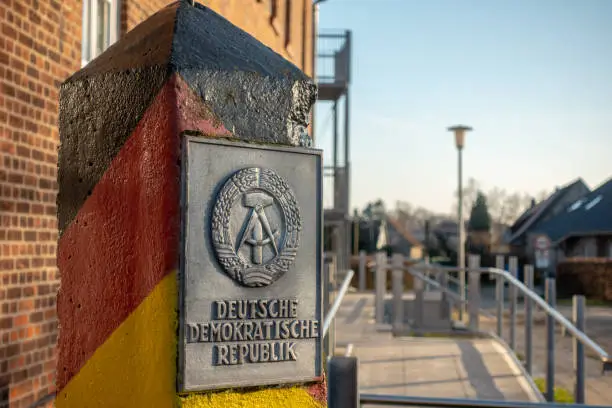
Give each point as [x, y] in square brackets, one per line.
[460, 132]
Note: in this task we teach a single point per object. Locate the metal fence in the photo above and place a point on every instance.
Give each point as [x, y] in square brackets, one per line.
[431, 275]
[333, 57]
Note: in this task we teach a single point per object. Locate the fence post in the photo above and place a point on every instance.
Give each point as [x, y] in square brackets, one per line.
[550, 341]
[474, 292]
[342, 390]
[362, 271]
[381, 286]
[397, 276]
[427, 273]
[513, 266]
[444, 298]
[418, 286]
[499, 294]
[579, 363]
[528, 321]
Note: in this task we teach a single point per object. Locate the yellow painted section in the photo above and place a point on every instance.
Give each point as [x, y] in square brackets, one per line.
[268, 398]
[136, 366]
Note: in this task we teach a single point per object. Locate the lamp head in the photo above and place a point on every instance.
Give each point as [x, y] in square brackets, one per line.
[460, 132]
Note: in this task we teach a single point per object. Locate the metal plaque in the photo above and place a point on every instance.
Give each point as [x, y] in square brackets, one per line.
[250, 290]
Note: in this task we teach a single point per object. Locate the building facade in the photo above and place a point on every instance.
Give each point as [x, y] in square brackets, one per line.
[42, 42]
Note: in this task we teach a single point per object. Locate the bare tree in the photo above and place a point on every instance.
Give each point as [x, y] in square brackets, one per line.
[504, 207]
[470, 193]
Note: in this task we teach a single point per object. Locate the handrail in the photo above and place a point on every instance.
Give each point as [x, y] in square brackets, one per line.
[334, 309]
[407, 401]
[580, 336]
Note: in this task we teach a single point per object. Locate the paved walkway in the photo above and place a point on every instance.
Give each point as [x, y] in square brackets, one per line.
[430, 367]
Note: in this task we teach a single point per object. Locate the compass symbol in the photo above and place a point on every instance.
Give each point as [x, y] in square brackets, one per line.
[257, 225]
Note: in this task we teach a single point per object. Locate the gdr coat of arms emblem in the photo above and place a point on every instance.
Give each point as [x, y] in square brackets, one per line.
[256, 227]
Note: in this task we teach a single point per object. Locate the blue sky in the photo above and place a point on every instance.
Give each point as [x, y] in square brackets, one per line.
[533, 78]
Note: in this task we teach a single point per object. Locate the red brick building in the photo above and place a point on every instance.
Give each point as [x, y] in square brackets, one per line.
[42, 42]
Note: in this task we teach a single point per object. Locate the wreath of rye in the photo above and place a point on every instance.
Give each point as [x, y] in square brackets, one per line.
[245, 180]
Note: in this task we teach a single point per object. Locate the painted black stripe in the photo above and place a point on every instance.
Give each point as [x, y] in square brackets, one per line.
[101, 105]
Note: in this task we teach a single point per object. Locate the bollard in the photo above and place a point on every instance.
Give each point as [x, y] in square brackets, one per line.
[362, 271]
[499, 295]
[579, 363]
[513, 263]
[550, 341]
[474, 292]
[398, 293]
[528, 321]
[342, 385]
[156, 135]
[381, 286]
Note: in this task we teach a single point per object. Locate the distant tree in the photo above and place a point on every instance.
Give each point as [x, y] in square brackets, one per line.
[375, 210]
[504, 207]
[480, 220]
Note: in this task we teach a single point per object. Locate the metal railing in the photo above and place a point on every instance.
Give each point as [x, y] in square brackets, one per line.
[581, 340]
[409, 401]
[421, 271]
[547, 307]
[331, 315]
[333, 57]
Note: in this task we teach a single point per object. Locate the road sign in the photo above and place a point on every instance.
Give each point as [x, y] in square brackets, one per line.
[542, 251]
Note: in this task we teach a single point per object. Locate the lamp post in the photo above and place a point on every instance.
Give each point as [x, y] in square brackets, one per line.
[460, 132]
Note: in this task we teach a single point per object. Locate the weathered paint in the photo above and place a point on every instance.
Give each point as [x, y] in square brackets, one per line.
[268, 398]
[123, 241]
[101, 105]
[136, 365]
[121, 120]
[254, 92]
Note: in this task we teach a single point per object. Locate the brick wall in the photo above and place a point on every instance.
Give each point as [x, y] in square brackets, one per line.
[591, 277]
[40, 46]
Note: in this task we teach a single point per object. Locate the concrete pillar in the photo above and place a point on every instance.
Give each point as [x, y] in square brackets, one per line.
[397, 288]
[381, 286]
[123, 121]
[474, 292]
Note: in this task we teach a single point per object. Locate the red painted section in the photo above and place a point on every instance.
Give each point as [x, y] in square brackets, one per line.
[319, 391]
[124, 240]
[193, 114]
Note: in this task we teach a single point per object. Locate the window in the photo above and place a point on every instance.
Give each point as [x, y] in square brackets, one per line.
[100, 27]
[593, 202]
[576, 205]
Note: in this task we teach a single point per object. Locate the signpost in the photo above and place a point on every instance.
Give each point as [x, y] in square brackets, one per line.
[542, 246]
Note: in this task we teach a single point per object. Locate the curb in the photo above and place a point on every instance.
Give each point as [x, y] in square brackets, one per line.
[523, 377]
